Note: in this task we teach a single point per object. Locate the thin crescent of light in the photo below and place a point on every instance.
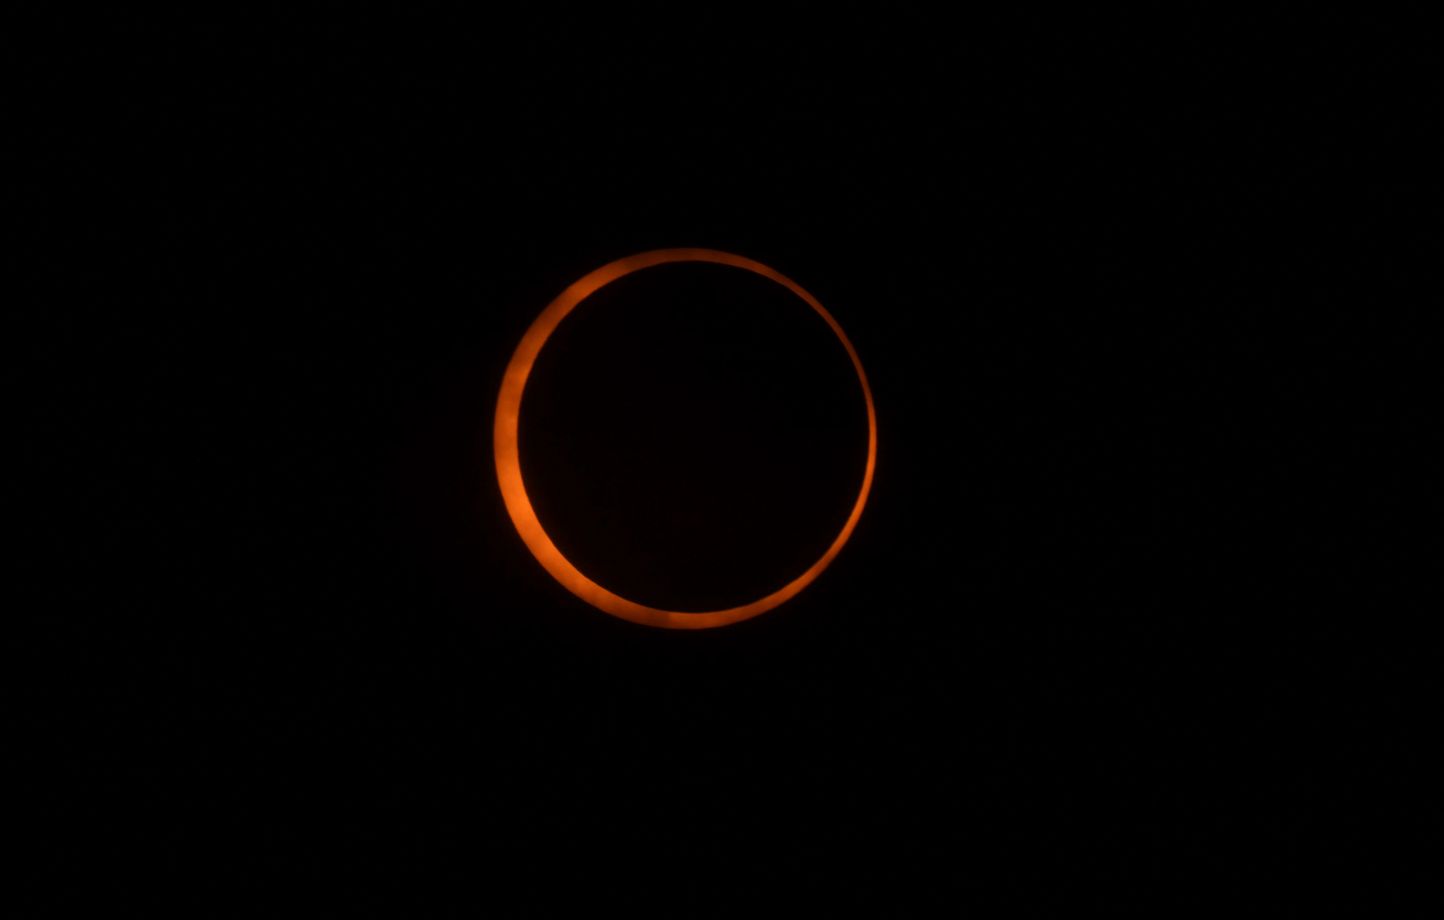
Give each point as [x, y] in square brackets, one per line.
[508, 460]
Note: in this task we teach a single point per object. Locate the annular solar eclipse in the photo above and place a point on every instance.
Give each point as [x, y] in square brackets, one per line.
[512, 480]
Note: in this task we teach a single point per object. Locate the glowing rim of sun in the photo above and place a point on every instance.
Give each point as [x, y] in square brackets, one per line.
[508, 459]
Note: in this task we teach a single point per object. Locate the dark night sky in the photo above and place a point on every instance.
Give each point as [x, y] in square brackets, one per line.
[1095, 270]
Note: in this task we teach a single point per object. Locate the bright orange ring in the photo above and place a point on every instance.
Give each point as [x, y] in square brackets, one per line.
[508, 461]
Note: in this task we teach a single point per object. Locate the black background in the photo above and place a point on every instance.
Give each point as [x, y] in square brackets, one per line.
[1101, 272]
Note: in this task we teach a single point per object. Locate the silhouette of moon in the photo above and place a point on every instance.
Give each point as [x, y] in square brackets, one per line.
[508, 460]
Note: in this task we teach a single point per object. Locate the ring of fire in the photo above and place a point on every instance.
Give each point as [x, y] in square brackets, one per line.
[508, 459]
